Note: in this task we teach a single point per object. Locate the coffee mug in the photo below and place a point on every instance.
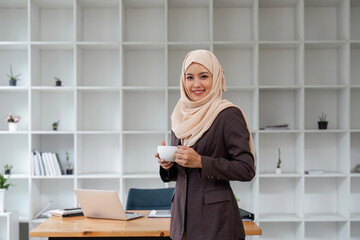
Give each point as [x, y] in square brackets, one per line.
[167, 152]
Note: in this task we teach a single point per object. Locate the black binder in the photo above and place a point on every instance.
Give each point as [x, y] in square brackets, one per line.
[246, 216]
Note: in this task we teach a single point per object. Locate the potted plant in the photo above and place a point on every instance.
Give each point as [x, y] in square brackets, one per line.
[12, 122]
[7, 169]
[3, 187]
[322, 123]
[278, 167]
[55, 125]
[57, 82]
[69, 169]
[13, 79]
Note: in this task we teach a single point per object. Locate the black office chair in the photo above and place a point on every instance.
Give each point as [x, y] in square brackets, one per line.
[149, 199]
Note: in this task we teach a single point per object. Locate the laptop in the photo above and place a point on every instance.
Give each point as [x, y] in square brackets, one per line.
[103, 204]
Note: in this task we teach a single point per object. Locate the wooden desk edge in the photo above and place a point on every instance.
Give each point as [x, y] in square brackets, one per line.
[50, 228]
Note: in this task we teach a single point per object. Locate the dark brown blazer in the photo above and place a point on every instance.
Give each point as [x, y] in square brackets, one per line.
[203, 204]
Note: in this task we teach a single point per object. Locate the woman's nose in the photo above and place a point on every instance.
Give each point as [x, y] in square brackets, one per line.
[197, 82]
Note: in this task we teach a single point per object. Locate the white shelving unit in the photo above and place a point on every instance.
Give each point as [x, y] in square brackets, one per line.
[285, 61]
[9, 226]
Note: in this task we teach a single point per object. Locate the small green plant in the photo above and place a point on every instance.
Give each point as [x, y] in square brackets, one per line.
[68, 164]
[55, 124]
[7, 168]
[322, 118]
[3, 184]
[279, 160]
[236, 197]
[11, 76]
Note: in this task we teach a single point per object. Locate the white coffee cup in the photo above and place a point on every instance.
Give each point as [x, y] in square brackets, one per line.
[167, 152]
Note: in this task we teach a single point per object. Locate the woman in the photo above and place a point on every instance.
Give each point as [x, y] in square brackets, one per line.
[214, 147]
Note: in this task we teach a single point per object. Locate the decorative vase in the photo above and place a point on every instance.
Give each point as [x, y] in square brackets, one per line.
[58, 83]
[2, 200]
[12, 126]
[278, 170]
[8, 171]
[55, 128]
[12, 82]
[322, 125]
[69, 171]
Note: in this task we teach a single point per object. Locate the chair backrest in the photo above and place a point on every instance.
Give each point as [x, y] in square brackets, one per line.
[149, 199]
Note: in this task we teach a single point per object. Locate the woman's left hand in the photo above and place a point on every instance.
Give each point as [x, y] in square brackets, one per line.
[188, 157]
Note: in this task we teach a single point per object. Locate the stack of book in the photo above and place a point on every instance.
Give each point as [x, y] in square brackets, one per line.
[46, 164]
[67, 212]
[284, 126]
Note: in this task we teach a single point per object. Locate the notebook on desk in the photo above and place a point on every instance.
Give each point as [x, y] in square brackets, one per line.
[102, 204]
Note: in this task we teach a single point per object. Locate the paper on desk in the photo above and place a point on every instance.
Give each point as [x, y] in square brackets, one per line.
[160, 214]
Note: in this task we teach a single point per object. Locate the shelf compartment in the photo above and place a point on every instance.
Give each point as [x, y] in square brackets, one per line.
[354, 106]
[60, 192]
[99, 184]
[15, 103]
[355, 230]
[49, 107]
[290, 144]
[245, 191]
[144, 21]
[355, 196]
[49, 61]
[17, 157]
[238, 62]
[52, 20]
[355, 20]
[139, 183]
[139, 153]
[98, 65]
[144, 111]
[354, 150]
[275, 230]
[246, 101]
[331, 102]
[354, 64]
[17, 196]
[328, 152]
[173, 99]
[238, 16]
[98, 153]
[325, 20]
[56, 143]
[98, 110]
[280, 20]
[280, 106]
[328, 203]
[176, 56]
[280, 64]
[333, 56]
[98, 20]
[194, 25]
[13, 21]
[280, 196]
[144, 66]
[326, 230]
[17, 57]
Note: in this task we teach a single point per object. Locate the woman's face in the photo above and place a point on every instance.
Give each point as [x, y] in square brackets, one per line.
[198, 81]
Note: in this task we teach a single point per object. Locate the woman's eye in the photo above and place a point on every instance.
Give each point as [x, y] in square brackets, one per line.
[204, 76]
[189, 77]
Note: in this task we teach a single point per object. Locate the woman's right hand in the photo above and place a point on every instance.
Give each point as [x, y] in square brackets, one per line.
[164, 164]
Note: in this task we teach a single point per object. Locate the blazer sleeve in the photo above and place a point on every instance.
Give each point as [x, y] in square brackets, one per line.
[240, 165]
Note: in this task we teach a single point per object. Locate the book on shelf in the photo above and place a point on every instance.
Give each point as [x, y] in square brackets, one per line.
[314, 172]
[46, 164]
[67, 212]
[284, 126]
[246, 215]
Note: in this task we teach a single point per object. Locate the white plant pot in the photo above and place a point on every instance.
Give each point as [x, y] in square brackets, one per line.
[12, 126]
[2, 200]
[278, 170]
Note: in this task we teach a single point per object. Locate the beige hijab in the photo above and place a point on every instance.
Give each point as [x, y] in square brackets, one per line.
[190, 120]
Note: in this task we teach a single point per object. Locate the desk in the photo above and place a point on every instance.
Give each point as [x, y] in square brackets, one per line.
[141, 228]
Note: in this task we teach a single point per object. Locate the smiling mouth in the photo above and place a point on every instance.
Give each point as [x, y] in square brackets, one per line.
[198, 92]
